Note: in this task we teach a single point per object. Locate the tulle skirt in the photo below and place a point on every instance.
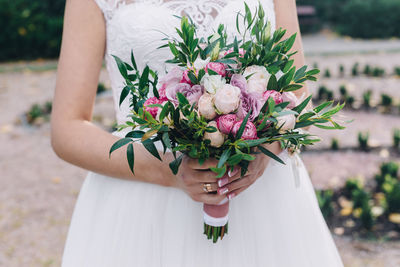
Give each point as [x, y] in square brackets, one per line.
[274, 223]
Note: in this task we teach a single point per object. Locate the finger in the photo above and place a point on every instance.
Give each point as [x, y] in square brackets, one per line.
[209, 163]
[242, 182]
[212, 199]
[198, 188]
[236, 192]
[205, 177]
[229, 177]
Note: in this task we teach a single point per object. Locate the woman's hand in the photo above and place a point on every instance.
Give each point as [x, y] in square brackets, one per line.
[192, 176]
[232, 186]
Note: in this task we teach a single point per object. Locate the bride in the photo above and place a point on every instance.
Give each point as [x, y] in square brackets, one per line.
[154, 218]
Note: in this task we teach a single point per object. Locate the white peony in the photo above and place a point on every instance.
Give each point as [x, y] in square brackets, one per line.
[227, 99]
[258, 81]
[287, 122]
[217, 138]
[212, 83]
[199, 63]
[206, 106]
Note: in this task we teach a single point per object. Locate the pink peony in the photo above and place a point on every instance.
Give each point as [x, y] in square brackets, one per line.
[227, 99]
[250, 130]
[239, 81]
[206, 106]
[217, 138]
[217, 67]
[291, 98]
[225, 123]
[253, 102]
[192, 93]
[276, 96]
[162, 91]
[174, 76]
[152, 110]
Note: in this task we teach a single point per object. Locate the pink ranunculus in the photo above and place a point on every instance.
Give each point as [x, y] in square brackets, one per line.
[276, 96]
[206, 106]
[291, 98]
[217, 138]
[227, 99]
[250, 130]
[239, 81]
[250, 101]
[217, 67]
[225, 123]
[185, 77]
[152, 110]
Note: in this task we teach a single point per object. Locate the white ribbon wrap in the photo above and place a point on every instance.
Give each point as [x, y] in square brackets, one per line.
[295, 162]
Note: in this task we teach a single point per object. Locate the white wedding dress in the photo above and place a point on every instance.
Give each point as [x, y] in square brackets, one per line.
[120, 223]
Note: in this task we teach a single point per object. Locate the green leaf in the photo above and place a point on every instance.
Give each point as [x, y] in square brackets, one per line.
[135, 134]
[174, 165]
[130, 156]
[224, 157]
[192, 77]
[292, 87]
[271, 154]
[243, 125]
[149, 145]
[120, 143]
[144, 78]
[235, 159]
[166, 140]
[272, 83]
[124, 94]
[121, 67]
[182, 99]
[303, 105]
[133, 61]
[219, 171]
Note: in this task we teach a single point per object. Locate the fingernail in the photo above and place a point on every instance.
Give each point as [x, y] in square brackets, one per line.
[234, 172]
[222, 191]
[223, 181]
[231, 195]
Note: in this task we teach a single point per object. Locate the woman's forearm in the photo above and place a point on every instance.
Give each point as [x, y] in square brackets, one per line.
[286, 18]
[84, 144]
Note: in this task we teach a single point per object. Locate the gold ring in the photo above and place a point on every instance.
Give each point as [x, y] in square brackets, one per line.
[207, 188]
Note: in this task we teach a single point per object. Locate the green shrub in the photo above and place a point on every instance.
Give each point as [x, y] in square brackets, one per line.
[397, 71]
[335, 144]
[367, 98]
[325, 202]
[369, 18]
[343, 91]
[390, 168]
[341, 70]
[327, 73]
[324, 93]
[391, 188]
[31, 29]
[367, 219]
[101, 88]
[354, 70]
[386, 100]
[363, 140]
[367, 70]
[360, 198]
[351, 186]
[396, 138]
[378, 72]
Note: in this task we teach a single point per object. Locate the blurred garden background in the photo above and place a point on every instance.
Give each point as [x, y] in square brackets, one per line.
[356, 45]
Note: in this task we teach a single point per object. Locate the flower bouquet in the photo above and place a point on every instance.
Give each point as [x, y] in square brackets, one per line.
[222, 100]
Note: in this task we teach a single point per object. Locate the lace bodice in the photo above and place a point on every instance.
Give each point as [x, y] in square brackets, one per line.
[142, 24]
